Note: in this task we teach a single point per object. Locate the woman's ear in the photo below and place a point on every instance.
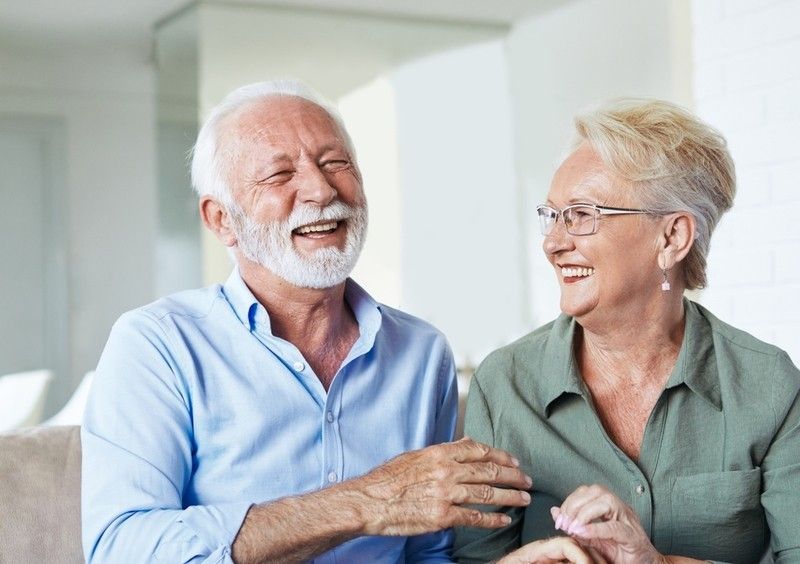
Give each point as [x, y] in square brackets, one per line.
[216, 218]
[676, 239]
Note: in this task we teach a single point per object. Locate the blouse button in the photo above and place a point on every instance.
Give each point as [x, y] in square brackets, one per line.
[299, 366]
[639, 489]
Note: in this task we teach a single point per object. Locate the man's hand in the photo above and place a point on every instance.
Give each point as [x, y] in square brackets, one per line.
[555, 550]
[423, 490]
[417, 492]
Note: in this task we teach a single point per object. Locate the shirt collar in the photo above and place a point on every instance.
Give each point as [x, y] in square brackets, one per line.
[241, 299]
[564, 377]
[251, 313]
[696, 366]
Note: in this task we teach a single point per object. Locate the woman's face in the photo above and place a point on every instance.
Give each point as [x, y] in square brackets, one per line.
[614, 272]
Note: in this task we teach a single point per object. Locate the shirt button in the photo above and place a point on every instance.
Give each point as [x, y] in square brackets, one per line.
[329, 417]
[299, 366]
[639, 489]
[332, 477]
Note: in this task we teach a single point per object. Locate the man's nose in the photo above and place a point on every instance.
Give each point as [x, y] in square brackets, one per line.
[315, 188]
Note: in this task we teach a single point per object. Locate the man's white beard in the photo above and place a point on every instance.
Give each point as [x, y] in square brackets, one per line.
[271, 245]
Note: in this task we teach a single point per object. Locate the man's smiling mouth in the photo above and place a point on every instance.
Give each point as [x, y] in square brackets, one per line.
[321, 228]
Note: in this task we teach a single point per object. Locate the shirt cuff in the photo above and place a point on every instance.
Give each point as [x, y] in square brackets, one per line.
[212, 529]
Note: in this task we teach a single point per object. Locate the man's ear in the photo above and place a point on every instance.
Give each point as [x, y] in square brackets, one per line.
[216, 218]
[676, 239]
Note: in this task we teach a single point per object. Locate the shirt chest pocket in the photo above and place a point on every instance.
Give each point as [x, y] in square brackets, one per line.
[718, 516]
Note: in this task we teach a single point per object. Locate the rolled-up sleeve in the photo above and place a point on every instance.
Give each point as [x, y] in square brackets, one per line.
[137, 457]
[781, 466]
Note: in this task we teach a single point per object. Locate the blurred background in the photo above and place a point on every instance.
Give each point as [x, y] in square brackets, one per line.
[460, 111]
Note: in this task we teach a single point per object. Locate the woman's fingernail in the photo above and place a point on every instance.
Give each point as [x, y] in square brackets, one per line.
[559, 520]
[566, 523]
[514, 461]
[529, 481]
[526, 497]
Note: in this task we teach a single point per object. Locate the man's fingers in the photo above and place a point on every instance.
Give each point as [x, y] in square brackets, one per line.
[478, 463]
[468, 450]
[467, 517]
[558, 549]
[492, 473]
[571, 552]
[488, 495]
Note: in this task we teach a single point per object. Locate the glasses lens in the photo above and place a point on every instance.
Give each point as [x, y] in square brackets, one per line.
[547, 218]
[580, 220]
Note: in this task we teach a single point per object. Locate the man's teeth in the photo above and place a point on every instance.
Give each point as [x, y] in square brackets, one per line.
[315, 228]
[575, 272]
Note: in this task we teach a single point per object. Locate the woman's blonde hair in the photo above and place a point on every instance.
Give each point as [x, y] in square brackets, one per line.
[671, 160]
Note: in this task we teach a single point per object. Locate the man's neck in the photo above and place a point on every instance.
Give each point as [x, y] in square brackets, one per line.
[319, 322]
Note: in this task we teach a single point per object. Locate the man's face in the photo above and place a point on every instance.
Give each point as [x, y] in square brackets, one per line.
[298, 206]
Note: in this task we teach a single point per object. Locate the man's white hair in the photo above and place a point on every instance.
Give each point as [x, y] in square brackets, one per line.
[209, 176]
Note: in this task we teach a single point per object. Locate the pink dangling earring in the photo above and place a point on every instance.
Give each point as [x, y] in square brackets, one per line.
[665, 284]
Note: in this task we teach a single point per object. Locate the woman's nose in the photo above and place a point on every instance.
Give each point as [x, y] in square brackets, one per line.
[558, 239]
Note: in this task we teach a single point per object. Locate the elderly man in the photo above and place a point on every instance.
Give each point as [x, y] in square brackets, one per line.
[252, 421]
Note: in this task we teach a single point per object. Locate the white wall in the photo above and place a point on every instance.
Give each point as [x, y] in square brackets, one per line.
[371, 119]
[105, 101]
[580, 53]
[747, 83]
[462, 255]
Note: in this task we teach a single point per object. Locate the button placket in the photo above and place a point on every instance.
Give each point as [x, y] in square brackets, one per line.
[331, 437]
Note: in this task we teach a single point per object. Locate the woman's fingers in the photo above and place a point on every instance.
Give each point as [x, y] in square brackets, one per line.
[585, 505]
[604, 506]
[607, 530]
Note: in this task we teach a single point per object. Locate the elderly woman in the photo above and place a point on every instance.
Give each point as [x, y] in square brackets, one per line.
[653, 431]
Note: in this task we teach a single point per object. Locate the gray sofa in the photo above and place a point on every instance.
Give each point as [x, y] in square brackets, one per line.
[40, 505]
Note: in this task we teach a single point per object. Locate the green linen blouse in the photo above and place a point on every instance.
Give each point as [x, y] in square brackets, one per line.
[718, 475]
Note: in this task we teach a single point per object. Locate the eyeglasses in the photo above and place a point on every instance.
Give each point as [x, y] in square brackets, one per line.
[579, 219]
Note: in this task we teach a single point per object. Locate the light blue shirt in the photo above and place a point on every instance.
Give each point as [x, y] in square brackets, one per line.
[198, 411]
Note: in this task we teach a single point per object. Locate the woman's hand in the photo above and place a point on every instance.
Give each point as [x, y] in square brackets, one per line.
[557, 549]
[598, 519]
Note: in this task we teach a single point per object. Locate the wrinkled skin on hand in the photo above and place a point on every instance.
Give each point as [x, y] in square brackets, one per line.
[551, 551]
[423, 491]
[597, 518]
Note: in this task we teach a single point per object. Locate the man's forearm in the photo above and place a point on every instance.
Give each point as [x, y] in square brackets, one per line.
[296, 529]
[416, 492]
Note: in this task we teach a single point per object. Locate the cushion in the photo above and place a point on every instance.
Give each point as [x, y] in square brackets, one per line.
[40, 502]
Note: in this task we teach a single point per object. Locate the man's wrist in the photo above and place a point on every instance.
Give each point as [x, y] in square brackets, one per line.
[355, 511]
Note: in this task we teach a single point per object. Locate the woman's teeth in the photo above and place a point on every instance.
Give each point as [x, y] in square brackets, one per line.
[315, 228]
[576, 272]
